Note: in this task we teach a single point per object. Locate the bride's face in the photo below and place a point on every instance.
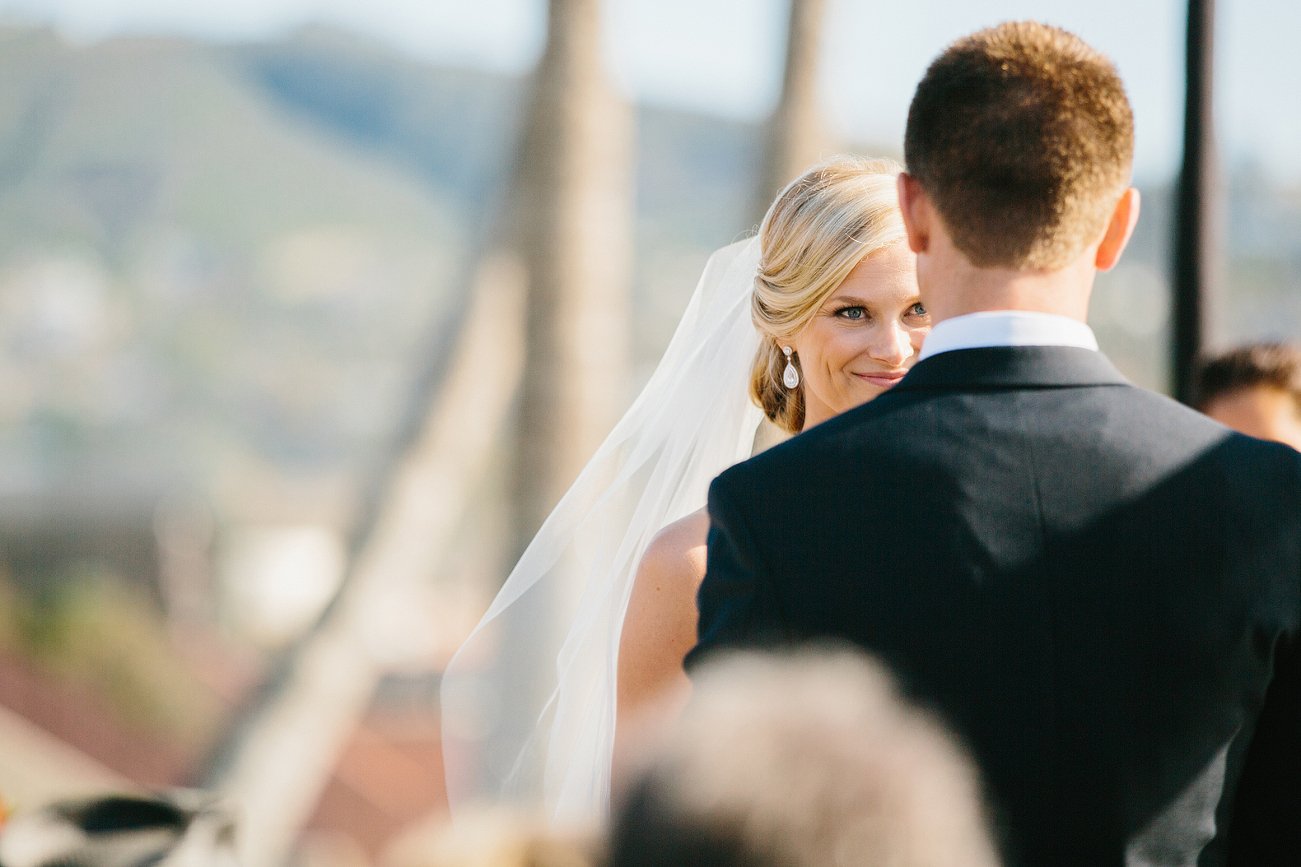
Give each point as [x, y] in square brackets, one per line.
[864, 337]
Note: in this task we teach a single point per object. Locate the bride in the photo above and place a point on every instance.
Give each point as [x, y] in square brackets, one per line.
[816, 315]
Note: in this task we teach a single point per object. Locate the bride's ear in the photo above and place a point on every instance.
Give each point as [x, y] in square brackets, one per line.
[915, 207]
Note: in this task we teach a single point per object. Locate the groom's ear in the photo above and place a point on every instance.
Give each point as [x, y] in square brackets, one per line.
[915, 207]
[1119, 229]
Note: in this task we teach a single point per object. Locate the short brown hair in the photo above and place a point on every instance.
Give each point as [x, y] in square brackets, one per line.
[1023, 138]
[1256, 365]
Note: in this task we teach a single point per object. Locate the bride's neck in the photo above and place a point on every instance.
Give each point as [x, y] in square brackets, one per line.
[815, 411]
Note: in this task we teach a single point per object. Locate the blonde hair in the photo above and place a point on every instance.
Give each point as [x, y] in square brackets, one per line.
[820, 227]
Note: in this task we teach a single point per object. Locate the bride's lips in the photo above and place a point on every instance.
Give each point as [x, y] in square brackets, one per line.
[882, 380]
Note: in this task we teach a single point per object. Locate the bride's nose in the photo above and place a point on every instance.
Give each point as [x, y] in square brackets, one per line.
[893, 345]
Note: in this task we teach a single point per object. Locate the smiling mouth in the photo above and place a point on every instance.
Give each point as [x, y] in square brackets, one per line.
[882, 380]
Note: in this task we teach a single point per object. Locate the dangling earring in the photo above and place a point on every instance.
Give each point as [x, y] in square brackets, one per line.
[790, 376]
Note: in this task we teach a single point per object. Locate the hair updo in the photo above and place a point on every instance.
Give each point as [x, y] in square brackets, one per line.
[820, 227]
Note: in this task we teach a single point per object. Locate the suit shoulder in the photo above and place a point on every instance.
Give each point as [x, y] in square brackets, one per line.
[1163, 405]
[797, 454]
[1162, 422]
[1246, 462]
[783, 458]
[1278, 464]
[1167, 407]
[758, 481]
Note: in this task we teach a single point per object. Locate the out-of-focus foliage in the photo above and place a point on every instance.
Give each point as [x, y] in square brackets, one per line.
[88, 629]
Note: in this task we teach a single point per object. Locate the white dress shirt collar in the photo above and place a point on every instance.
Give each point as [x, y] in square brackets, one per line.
[1006, 328]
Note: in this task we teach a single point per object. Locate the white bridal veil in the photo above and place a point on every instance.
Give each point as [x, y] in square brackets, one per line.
[528, 701]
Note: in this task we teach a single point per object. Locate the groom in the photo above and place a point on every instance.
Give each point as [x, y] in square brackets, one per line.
[1098, 588]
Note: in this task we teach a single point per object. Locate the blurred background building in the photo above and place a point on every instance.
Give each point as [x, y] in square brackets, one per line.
[270, 329]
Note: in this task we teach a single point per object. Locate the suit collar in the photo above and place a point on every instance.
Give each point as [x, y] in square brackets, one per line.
[1012, 367]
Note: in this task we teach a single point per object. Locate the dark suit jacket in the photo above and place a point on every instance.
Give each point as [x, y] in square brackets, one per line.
[1098, 588]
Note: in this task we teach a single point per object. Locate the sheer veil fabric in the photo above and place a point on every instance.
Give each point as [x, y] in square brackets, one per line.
[528, 702]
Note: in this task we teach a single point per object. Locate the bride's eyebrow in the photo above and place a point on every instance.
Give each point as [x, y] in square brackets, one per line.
[846, 301]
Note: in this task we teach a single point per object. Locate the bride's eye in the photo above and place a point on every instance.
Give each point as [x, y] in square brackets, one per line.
[853, 314]
[918, 309]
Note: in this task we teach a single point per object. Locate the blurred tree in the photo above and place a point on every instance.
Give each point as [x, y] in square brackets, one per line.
[567, 238]
[575, 233]
[572, 225]
[797, 137]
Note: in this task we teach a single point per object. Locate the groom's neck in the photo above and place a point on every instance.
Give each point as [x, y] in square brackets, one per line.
[951, 286]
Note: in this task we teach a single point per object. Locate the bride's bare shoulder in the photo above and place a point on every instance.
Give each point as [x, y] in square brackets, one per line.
[660, 625]
[677, 551]
[659, 629]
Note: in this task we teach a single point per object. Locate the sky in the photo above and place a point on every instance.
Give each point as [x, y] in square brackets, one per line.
[724, 56]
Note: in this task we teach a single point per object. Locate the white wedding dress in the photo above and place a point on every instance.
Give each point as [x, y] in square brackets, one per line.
[528, 702]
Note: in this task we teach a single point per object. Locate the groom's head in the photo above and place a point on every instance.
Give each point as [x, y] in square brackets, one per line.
[1021, 139]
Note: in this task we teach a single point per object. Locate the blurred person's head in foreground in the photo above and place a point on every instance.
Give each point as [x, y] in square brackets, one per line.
[1255, 389]
[803, 759]
[179, 829]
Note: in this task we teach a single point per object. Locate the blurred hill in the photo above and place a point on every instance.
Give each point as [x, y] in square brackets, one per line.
[194, 281]
[223, 264]
[456, 131]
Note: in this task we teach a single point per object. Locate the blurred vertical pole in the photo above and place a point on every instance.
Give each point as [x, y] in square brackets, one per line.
[563, 345]
[796, 136]
[575, 234]
[1195, 253]
[573, 227]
